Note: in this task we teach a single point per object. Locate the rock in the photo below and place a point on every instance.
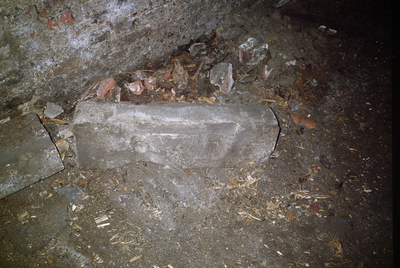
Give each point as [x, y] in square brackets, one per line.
[258, 55]
[52, 110]
[221, 76]
[27, 154]
[247, 79]
[285, 80]
[249, 55]
[249, 44]
[179, 134]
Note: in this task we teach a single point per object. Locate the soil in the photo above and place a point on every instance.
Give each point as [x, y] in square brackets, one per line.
[323, 199]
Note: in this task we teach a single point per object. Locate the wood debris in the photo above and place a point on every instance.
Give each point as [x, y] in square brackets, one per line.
[138, 257]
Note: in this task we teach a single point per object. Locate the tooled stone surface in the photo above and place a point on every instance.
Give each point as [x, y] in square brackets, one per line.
[179, 134]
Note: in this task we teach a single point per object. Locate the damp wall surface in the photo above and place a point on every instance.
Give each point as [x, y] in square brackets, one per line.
[53, 49]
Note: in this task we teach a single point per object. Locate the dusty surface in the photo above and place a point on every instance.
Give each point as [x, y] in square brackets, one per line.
[323, 200]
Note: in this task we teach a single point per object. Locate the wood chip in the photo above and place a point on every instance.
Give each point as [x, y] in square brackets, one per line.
[208, 100]
[53, 120]
[103, 225]
[22, 215]
[198, 71]
[138, 257]
[101, 219]
[80, 182]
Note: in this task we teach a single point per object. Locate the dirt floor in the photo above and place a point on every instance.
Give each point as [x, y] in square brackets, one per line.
[323, 199]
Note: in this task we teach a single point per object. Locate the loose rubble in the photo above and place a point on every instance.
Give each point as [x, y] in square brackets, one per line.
[324, 195]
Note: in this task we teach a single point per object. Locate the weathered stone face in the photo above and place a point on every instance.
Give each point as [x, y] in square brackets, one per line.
[27, 154]
[186, 135]
[55, 48]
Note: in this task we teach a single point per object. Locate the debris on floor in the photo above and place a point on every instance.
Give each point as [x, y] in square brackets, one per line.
[255, 145]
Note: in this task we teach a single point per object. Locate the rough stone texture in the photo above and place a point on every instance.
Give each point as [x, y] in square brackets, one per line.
[56, 48]
[221, 76]
[52, 110]
[27, 154]
[178, 134]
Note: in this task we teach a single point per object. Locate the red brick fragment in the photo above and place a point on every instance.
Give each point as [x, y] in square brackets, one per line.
[136, 87]
[303, 121]
[168, 73]
[105, 85]
[150, 83]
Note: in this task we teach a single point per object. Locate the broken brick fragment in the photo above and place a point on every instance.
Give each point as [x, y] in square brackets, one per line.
[303, 121]
[104, 86]
[136, 87]
[167, 75]
[150, 83]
